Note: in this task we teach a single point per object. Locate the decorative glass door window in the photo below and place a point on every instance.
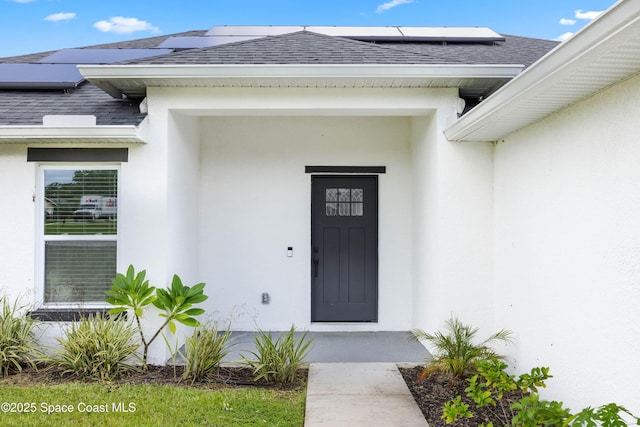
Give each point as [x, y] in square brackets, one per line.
[79, 233]
[344, 201]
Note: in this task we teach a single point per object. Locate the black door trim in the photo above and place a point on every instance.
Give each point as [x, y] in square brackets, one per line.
[345, 169]
[335, 303]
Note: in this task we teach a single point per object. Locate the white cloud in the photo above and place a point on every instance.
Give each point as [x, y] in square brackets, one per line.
[563, 37]
[62, 16]
[391, 4]
[22, 1]
[122, 25]
[580, 14]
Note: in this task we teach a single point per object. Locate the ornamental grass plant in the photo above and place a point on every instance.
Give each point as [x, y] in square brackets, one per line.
[17, 341]
[99, 348]
[278, 361]
[204, 352]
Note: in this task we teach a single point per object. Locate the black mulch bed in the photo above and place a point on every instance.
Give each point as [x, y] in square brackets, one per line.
[433, 392]
[227, 376]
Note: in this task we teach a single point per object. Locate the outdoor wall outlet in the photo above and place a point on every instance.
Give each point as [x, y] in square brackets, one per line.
[265, 298]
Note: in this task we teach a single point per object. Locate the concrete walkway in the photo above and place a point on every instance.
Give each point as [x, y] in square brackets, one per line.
[359, 395]
[353, 378]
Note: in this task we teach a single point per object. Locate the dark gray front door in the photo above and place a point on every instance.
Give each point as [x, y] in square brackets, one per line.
[344, 248]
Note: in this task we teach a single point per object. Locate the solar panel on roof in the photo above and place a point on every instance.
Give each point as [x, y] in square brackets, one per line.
[195, 42]
[253, 30]
[457, 33]
[100, 56]
[39, 76]
[389, 33]
[356, 31]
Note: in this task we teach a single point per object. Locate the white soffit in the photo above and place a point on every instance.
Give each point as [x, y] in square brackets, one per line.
[132, 80]
[600, 55]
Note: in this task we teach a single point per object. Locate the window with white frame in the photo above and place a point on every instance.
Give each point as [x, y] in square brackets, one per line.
[79, 234]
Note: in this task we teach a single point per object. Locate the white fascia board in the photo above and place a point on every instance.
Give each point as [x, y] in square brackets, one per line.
[108, 77]
[549, 70]
[188, 71]
[64, 134]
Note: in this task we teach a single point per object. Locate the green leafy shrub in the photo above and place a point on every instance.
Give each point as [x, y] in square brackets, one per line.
[204, 352]
[515, 401]
[132, 292]
[606, 415]
[278, 361]
[98, 347]
[17, 342]
[455, 350]
[177, 300]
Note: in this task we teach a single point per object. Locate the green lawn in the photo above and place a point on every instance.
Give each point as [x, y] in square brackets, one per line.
[101, 226]
[148, 405]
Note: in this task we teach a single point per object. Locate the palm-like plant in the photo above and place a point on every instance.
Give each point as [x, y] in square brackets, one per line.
[132, 292]
[455, 352]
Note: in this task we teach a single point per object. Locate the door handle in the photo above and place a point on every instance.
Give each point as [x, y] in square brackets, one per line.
[316, 262]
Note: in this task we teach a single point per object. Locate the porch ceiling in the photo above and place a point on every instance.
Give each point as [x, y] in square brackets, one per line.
[133, 80]
[602, 54]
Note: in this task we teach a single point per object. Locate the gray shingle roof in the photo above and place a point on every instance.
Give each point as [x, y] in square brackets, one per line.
[306, 47]
[146, 43]
[27, 107]
[514, 50]
[302, 47]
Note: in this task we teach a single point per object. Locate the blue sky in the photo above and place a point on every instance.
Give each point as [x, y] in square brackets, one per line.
[28, 26]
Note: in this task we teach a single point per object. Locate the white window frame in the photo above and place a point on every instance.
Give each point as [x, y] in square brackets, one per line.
[41, 238]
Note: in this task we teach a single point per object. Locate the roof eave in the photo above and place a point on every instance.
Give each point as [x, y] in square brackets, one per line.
[552, 84]
[132, 80]
[25, 134]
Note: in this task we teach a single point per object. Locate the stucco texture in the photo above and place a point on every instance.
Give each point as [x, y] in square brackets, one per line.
[567, 247]
[255, 203]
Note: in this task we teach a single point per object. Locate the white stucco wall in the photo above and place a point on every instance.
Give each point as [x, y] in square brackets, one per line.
[17, 252]
[254, 196]
[255, 202]
[248, 149]
[183, 176]
[452, 227]
[219, 192]
[159, 213]
[567, 251]
[144, 218]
